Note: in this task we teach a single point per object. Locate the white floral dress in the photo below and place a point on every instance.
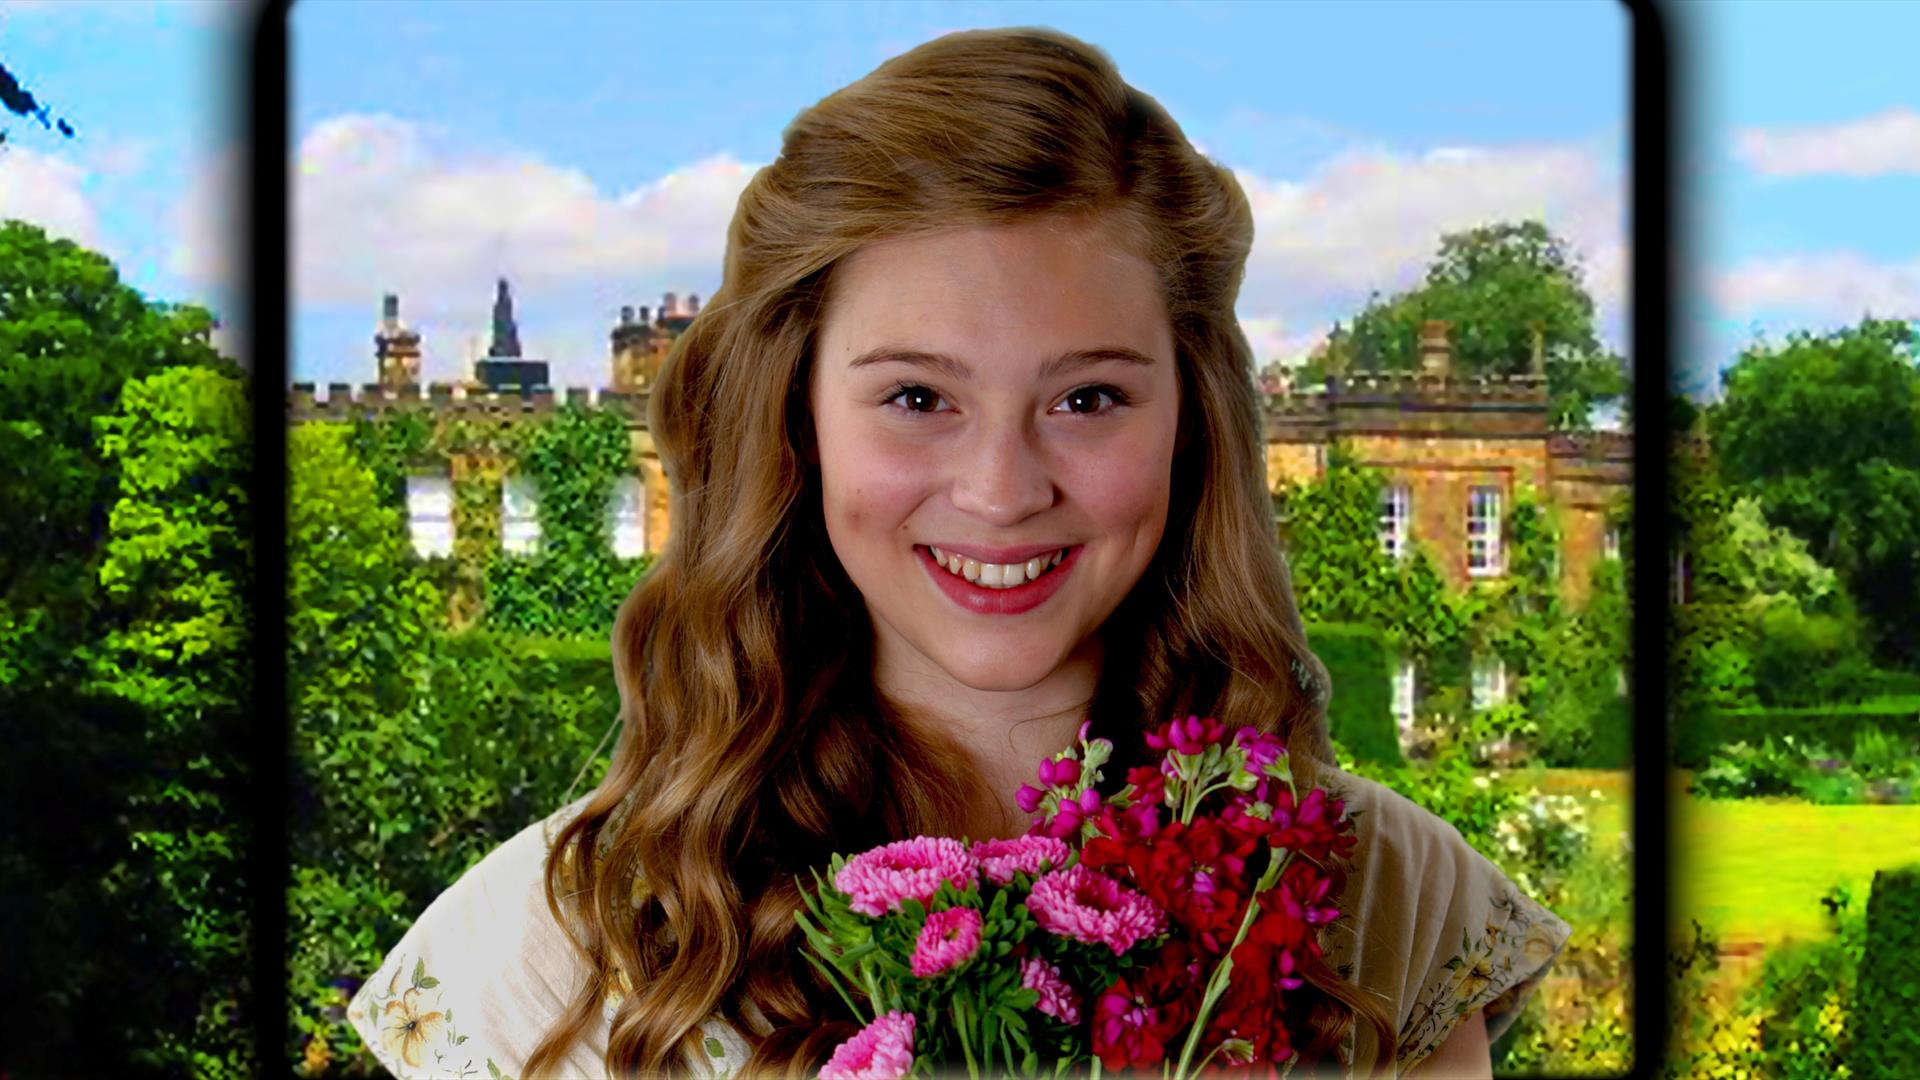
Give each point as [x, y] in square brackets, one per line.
[473, 986]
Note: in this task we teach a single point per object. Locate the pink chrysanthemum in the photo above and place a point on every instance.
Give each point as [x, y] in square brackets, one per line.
[949, 939]
[1088, 906]
[1057, 999]
[1001, 859]
[877, 881]
[882, 1051]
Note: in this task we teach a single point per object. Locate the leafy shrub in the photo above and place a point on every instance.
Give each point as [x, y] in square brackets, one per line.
[1804, 993]
[500, 729]
[1360, 713]
[1471, 799]
[1696, 737]
[1881, 769]
[1886, 1043]
[1803, 659]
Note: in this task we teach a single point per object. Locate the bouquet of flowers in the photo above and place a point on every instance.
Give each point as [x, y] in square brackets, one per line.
[1160, 928]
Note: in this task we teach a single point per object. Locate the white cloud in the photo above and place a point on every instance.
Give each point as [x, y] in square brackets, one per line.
[384, 205]
[47, 190]
[1372, 219]
[1836, 287]
[1275, 339]
[206, 222]
[1886, 142]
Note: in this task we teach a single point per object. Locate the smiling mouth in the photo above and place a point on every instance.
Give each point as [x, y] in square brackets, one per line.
[997, 575]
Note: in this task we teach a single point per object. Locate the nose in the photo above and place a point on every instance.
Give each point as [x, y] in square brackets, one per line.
[1001, 476]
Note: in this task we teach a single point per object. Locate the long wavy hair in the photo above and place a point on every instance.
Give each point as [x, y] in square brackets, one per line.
[754, 743]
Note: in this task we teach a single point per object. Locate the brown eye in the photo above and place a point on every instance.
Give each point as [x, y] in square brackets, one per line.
[917, 399]
[1086, 400]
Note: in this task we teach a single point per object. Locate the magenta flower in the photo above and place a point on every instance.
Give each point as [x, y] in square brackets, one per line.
[1072, 812]
[1001, 859]
[1057, 999]
[948, 940]
[1191, 736]
[1088, 906]
[1059, 773]
[877, 881]
[1028, 797]
[882, 1051]
[1262, 750]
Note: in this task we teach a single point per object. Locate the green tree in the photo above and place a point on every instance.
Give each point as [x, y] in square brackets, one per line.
[1825, 431]
[1505, 290]
[70, 335]
[176, 576]
[360, 620]
[122, 639]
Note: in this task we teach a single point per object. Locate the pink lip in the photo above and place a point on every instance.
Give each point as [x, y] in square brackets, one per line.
[984, 601]
[1001, 555]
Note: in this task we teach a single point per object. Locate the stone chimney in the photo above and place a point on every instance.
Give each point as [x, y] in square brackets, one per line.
[396, 349]
[669, 306]
[693, 303]
[1436, 356]
[626, 315]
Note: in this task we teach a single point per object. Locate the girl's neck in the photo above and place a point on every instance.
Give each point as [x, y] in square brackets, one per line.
[1005, 735]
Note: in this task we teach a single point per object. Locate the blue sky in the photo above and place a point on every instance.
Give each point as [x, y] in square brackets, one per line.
[594, 159]
[1803, 171]
[146, 178]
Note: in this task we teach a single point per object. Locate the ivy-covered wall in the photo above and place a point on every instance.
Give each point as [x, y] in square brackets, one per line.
[573, 583]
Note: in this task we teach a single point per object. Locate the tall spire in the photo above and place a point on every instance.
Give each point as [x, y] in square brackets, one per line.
[506, 335]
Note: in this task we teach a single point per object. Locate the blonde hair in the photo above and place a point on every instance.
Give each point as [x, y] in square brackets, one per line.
[754, 743]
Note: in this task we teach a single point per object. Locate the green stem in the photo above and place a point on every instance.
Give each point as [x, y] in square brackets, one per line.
[961, 1022]
[1217, 982]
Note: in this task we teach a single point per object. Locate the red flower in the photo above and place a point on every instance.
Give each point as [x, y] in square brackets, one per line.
[1191, 736]
[1135, 1019]
[1149, 784]
[1198, 874]
[1313, 828]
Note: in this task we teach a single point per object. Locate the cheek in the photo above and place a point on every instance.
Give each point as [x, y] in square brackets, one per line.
[869, 483]
[1127, 487]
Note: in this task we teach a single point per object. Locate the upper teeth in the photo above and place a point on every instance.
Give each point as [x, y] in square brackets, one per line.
[997, 575]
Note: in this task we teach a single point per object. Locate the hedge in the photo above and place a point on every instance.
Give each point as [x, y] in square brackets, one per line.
[1886, 1043]
[1696, 737]
[1360, 714]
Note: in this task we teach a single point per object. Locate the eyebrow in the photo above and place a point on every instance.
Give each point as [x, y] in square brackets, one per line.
[953, 367]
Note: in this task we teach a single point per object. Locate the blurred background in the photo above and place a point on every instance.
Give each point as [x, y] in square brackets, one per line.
[503, 215]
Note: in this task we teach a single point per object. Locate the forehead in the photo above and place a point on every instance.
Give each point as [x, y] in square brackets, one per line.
[1044, 285]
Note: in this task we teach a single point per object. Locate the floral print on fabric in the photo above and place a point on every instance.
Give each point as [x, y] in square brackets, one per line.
[417, 1036]
[1494, 970]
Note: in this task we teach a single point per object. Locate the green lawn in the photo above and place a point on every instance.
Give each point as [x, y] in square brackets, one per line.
[1754, 871]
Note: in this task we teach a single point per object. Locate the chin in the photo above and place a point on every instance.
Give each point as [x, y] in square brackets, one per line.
[999, 670]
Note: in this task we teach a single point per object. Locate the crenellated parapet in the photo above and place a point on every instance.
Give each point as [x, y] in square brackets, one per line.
[342, 401]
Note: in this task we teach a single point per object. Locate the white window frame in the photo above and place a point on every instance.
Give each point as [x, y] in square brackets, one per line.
[1396, 519]
[1488, 685]
[519, 516]
[430, 514]
[627, 517]
[1486, 556]
[1405, 690]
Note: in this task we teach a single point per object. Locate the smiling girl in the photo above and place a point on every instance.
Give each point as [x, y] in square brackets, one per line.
[964, 452]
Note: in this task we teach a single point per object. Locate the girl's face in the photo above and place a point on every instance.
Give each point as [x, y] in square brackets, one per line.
[1004, 401]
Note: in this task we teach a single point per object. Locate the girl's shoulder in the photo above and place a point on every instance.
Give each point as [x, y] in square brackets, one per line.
[471, 987]
[1432, 928]
[480, 977]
